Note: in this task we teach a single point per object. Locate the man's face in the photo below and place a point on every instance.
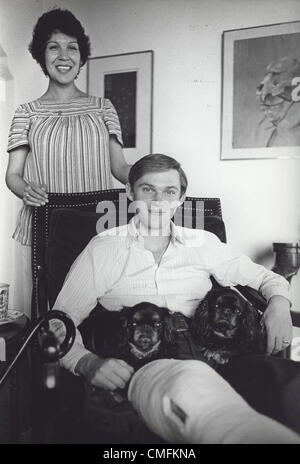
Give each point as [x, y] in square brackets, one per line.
[273, 92]
[157, 195]
[275, 108]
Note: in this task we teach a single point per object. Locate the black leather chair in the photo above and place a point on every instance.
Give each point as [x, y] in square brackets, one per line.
[61, 230]
[65, 225]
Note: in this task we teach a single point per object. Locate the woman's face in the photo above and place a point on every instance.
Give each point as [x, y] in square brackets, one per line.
[62, 58]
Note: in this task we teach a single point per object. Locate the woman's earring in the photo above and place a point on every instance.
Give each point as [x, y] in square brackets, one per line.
[78, 73]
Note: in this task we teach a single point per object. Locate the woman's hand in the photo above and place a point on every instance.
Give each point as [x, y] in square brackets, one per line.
[31, 193]
[35, 194]
[278, 322]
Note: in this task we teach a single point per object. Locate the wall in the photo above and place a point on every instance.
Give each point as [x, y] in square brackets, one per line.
[260, 198]
[7, 204]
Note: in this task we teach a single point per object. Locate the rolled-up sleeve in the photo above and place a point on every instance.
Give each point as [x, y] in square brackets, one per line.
[18, 134]
[112, 122]
[230, 268]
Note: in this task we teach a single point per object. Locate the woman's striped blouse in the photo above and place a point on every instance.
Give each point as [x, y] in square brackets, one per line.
[68, 148]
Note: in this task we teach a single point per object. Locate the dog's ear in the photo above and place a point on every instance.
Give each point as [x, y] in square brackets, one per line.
[212, 295]
[250, 328]
[262, 336]
[163, 312]
[200, 326]
[125, 312]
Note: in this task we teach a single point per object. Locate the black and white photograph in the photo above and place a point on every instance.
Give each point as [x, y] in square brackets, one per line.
[149, 226]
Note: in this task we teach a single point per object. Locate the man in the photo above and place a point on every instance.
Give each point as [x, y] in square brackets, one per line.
[152, 260]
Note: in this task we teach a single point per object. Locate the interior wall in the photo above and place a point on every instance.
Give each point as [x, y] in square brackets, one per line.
[7, 203]
[260, 198]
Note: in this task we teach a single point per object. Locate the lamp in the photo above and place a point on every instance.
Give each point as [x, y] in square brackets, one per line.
[287, 259]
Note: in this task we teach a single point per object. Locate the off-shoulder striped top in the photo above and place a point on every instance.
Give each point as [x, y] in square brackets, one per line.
[68, 148]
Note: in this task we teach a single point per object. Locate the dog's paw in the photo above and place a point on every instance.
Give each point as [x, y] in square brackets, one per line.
[118, 396]
[220, 357]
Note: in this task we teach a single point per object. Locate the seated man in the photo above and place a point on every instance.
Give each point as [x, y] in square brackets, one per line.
[151, 259]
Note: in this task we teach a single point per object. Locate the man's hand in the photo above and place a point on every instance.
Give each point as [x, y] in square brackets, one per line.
[107, 373]
[278, 322]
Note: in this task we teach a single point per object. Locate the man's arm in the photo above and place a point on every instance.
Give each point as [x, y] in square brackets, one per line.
[278, 322]
[77, 298]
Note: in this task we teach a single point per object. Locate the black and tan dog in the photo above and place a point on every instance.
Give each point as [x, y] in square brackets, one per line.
[225, 325]
[135, 334]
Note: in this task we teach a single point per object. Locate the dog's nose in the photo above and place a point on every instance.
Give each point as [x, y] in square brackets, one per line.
[227, 310]
[146, 329]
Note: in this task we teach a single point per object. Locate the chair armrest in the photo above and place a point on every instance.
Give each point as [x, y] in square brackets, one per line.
[260, 303]
[295, 318]
[253, 296]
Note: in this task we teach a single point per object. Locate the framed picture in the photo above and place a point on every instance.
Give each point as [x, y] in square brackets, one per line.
[261, 92]
[127, 80]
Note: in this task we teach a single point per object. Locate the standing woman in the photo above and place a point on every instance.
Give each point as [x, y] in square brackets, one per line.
[66, 140]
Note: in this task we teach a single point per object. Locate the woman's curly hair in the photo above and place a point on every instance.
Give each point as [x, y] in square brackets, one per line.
[61, 20]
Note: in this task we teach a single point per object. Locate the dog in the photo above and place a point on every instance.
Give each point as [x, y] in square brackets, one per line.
[226, 325]
[135, 334]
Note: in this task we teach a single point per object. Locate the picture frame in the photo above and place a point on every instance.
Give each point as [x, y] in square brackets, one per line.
[127, 80]
[260, 117]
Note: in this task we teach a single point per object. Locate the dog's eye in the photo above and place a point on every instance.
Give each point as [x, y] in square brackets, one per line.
[133, 324]
[157, 324]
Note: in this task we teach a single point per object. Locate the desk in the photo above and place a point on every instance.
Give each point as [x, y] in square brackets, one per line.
[15, 393]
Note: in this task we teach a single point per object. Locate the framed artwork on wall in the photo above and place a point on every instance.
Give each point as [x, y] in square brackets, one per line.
[127, 80]
[260, 116]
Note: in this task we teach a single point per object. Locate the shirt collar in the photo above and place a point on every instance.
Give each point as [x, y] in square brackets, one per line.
[134, 236]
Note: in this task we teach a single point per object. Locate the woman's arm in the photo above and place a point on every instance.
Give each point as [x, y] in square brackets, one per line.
[31, 193]
[15, 170]
[119, 167]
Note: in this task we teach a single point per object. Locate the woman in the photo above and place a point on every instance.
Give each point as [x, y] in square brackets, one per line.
[66, 140]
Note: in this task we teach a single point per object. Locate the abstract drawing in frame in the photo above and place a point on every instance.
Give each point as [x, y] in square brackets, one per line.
[127, 80]
[261, 92]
